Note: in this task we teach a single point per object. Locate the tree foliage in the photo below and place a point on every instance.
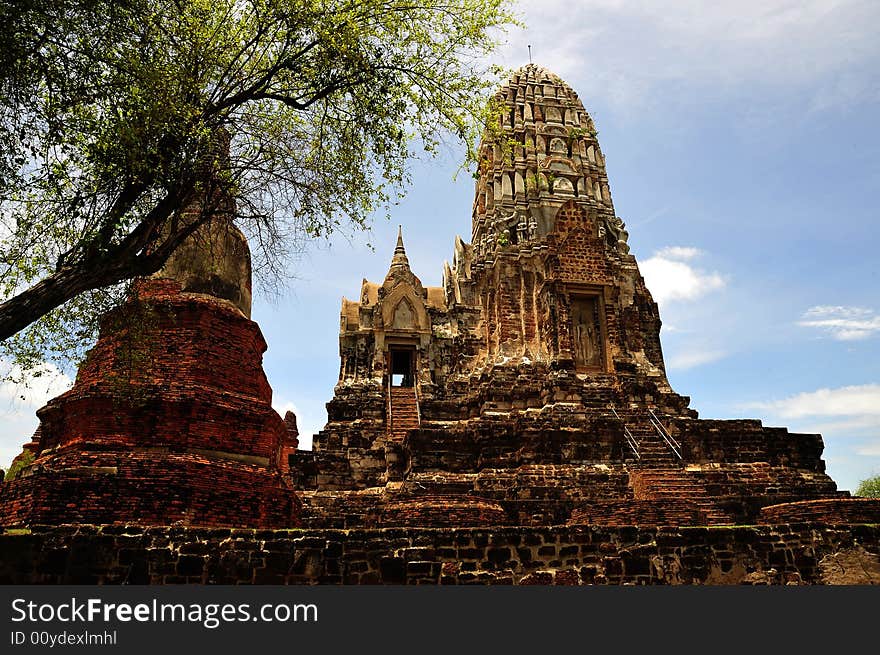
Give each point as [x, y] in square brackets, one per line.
[25, 459]
[869, 488]
[109, 109]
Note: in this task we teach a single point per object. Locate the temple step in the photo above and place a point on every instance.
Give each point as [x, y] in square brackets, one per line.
[675, 485]
[404, 412]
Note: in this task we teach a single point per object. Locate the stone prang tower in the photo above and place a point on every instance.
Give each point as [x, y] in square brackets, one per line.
[530, 388]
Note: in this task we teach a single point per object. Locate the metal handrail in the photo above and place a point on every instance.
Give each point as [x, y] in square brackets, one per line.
[674, 445]
[630, 439]
[390, 409]
[418, 404]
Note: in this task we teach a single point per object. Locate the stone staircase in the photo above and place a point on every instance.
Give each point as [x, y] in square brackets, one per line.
[676, 487]
[404, 412]
[657, 473]
[654, 452]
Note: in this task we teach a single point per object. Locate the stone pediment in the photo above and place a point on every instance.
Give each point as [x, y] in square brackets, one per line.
[403, 309]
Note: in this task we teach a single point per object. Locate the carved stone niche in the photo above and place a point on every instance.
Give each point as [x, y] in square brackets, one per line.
[589, 340]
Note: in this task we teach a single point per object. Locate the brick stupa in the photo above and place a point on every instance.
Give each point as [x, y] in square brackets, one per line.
[530, 389]
[170, 419]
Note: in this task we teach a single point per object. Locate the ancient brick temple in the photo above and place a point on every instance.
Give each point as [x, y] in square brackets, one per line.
[524, 403]
[530, 388]
[170, 419]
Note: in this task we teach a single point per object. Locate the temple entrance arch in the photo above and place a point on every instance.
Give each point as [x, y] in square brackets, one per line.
[402, 366]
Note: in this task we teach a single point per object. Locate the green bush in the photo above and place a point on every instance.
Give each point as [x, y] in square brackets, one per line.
[869, 488]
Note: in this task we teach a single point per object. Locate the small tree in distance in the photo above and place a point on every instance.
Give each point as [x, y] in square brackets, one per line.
[869, 488]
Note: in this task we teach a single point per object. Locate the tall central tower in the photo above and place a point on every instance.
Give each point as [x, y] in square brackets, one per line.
[530, 388]
[548, 262]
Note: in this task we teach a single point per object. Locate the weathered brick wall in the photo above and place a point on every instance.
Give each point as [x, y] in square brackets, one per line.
[722, 441]
[849, 510]
[187, 374]
[764, 479]
[441, 511]
[515, 440]
[581, 255]
[637, 512]
[148, 487]
[560, 555]
[532, 481]
[340, 509]
[329, 470]
[544, 462]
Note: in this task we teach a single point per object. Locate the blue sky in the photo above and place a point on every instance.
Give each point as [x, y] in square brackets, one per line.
[743, 152]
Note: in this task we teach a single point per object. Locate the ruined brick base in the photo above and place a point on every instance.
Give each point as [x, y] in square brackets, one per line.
[441, 512]
[170, 420]
[111, 487]
[564, 555]
[840, 510]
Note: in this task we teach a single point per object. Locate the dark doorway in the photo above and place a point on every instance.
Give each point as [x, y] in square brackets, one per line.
[402, 367]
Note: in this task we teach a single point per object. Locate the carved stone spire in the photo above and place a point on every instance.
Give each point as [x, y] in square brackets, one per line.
[399, 271]
[399, 259]
[543, 154]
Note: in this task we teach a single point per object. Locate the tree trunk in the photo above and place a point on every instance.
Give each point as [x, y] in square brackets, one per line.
[25, 308]
[127, 260]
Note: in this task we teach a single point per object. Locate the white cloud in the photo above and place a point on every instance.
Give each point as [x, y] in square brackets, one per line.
[626, 50]
[849, 424]
[859, 401]
[19, 402]
[38, 386]
[871, 450]
[680, 253]
[282, 406]
[693, 358]
[842, 323]
[670, 276]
